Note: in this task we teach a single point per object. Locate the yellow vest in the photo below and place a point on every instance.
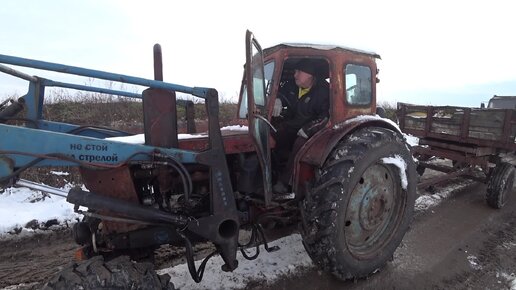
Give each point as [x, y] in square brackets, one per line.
[302, 92]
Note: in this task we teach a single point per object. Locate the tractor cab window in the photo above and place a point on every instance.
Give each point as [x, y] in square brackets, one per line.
[358, 84]
[268, 71]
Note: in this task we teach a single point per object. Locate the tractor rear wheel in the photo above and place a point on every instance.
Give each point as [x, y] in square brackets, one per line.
[119, 273]
[361, 205]
[500, 185]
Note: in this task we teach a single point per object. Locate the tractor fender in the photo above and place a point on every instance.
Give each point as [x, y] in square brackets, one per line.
[315, 151]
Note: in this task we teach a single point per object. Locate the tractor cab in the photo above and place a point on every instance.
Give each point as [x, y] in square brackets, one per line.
[351, 76]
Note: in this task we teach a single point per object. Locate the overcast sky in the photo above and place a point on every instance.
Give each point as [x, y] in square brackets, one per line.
[433, 52]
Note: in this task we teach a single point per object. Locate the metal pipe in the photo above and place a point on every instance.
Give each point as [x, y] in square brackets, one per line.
[42, 187]
[128, 209]
[18, 74]
[37, 64]
[158, 63]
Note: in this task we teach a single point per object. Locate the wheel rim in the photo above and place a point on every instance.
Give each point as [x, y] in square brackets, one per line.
[374, 210]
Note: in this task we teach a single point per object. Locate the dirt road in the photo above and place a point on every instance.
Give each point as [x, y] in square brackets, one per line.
[460, 244]
[34, 259]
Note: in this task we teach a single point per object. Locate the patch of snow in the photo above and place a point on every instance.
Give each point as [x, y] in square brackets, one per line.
[511, 278]
[365, 118]
[473, 262]
[426, 201]
[402, 166]
[18, 206]
[21, 286]
[267, 267]
[59, 173]
[140, 138]
[508, 245]
[235, 128]
[350, 171]
[411, 140]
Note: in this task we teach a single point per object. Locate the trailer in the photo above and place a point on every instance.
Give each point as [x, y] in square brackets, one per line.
[480, 143]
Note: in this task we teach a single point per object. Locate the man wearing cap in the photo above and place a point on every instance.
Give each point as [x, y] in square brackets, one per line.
[307, 112]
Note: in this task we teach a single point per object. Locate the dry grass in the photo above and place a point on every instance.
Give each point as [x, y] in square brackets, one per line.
[117, 112]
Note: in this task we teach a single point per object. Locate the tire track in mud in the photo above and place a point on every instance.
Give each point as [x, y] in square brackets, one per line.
[492, 260]
[35, 258]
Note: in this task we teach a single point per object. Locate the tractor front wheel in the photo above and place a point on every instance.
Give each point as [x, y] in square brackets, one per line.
[362, 204]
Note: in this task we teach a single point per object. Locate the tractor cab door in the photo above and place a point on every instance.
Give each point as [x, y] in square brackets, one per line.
[259, 126]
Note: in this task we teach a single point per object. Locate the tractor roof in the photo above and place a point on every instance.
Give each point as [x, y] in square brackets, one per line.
[320, 47]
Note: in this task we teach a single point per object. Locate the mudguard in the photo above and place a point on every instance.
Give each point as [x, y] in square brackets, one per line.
[315, 151]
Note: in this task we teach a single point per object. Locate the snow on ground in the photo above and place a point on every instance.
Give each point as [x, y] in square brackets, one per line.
[22, 206]
[268, 267]
[511, 278]
[426, 201]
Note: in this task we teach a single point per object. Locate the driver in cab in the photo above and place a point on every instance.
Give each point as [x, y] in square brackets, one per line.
[304, 107]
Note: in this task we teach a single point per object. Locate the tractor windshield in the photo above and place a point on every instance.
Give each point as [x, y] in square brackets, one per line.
[268, 73]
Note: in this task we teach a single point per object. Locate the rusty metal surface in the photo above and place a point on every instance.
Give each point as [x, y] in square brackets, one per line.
[160, 118]
[337, 59]
[452, 155]
[486, 143]
[234, 142]
[158, 62]
[451, 173]
[474, 150]
[116, 183]
[315, 151]
[373, 211]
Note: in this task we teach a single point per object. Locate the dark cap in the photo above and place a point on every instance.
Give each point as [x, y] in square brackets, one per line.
[306, 66]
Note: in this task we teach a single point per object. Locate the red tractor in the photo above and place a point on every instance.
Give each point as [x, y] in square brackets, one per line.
[353, 182]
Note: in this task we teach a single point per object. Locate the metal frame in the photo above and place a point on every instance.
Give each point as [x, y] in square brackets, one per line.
[45, 143]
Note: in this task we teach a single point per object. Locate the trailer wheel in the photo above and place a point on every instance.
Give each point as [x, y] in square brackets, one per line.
[359, 211]
[500, 185]
[119, 273]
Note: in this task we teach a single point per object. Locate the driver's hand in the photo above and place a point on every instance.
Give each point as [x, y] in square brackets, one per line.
[278, 106]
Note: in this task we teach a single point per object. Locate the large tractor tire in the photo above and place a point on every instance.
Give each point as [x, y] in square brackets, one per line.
[500, 185]
[119, 273]
[361, 205]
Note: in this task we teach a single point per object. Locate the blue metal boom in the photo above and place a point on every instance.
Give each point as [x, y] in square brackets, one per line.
[63, 144]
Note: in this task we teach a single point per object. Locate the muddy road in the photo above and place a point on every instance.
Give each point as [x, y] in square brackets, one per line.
[459, 244]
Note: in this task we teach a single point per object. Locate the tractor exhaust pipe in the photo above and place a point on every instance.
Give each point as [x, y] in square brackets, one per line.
[127, 209]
